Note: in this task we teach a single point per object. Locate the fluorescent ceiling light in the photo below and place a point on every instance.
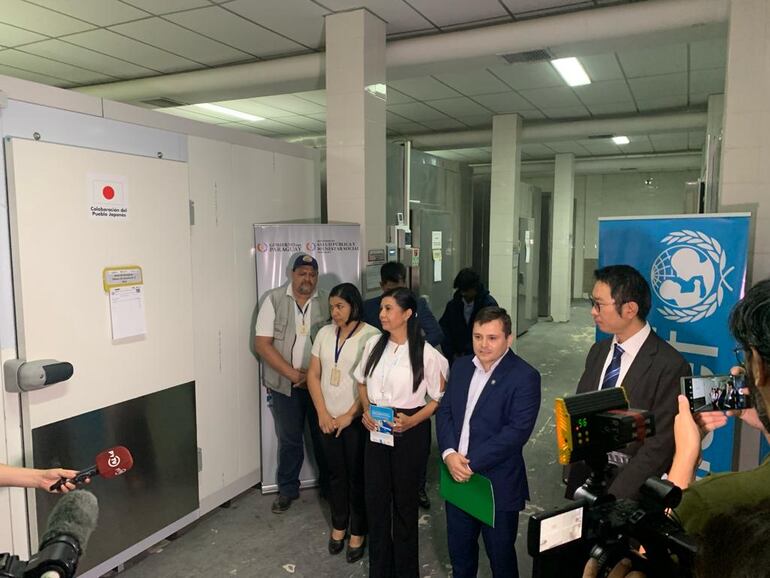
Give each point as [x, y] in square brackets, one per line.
[230, 112]
[620, 140]
[571, 71]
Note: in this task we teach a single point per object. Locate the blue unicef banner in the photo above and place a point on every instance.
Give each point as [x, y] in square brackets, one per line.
[696, 267]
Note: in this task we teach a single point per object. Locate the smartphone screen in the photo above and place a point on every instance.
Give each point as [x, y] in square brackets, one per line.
[716, 393]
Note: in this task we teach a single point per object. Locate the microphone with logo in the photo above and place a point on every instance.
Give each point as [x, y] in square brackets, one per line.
[70, 524]
[110, 463]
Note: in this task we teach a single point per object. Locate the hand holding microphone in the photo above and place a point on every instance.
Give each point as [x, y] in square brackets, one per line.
[110, 463]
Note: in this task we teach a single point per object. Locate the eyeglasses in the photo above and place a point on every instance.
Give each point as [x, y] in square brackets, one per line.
[596, 305]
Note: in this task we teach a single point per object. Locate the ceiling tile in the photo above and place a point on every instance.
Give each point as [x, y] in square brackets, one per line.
[424, 88]
[604, 92]
[543, 9]
[290, 103]
[536, 150]
[707, 81]
[460, 106]
[638, 144]
[567, 112]
[612, 108]
[504, 103]
[669, 142]
[711, 53]
[407, 127]
[697, 99]
[300, 20]
[318, 116]
[309, 124]
[167, 6]
[519, 6]
[176, 39]
[473, 82]
[108, 42]
[236, 31]
[48, 67]
[444, 13]
[696, 140]
[316, 96]
[568, 147]
[654, 61]
[598, 146]
[531, 114]
[250, 128]
[84, 58]
[193, 114]
[400, 16]
[41, 20]
[12, 36]
[416, 111]
[659, 86]
[556, 97]
[602, 67]
[526, 75]
[34, 77]
[396, 97]
[278, 127]
[662, 103]
[444, 124]
[477, 120]
[100, 12]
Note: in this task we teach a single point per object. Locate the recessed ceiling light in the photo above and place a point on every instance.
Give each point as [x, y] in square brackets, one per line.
[230, 112]
[620, 140]
[571, 71]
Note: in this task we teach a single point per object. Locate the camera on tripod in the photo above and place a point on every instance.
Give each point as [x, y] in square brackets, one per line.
[590, 426]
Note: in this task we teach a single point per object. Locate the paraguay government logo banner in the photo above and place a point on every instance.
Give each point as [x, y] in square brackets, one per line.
[696, 268]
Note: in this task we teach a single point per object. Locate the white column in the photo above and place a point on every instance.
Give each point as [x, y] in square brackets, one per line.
[745, 170]
[355, 124]
[561, 236]
[504, 213]
[578, 258]
[711, 151]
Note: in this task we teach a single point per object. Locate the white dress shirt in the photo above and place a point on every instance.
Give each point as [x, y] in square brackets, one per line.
[390, 384]
[475, 389]
[300, 353]
[631, 347]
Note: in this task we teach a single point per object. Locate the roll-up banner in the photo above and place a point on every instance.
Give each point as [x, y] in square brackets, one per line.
[696, 268]
[336, 247]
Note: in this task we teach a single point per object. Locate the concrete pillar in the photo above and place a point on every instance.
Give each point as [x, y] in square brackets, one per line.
[712, 152]
[561, 236]
[745, 170]
[504, 212]
[578, 258]
[355, 124]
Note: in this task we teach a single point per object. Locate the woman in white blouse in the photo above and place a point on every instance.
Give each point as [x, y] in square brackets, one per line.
[397, 371]
[336, 352]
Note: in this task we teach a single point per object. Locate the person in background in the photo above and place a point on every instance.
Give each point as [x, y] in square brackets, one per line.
[287, 322]
[469, 298]
[392, 276]
[336, 352]
[12, 476]
[397, 370]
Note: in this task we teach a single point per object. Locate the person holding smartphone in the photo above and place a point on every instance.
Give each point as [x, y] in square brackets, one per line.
[397, 371]
[336, 352]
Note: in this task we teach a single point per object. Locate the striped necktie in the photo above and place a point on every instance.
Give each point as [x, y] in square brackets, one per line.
[613, 369]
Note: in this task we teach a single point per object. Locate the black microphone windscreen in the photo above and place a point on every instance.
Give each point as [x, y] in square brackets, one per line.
[75, 515]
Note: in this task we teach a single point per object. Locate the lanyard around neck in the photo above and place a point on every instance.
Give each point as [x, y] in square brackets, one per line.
[338, 347]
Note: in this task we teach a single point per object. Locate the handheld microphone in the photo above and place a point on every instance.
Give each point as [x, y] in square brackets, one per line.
[110, 463]
[70, 525]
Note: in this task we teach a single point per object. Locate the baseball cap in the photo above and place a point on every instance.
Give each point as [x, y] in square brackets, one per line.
[304, 259]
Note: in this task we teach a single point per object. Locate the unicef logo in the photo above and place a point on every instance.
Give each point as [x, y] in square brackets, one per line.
[689, 276]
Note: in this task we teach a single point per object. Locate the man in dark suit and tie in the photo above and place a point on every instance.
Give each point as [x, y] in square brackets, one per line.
[486, 416]
[646, 366]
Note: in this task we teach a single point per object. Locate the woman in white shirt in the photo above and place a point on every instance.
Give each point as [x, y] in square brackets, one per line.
[336, 352]
[397, 371]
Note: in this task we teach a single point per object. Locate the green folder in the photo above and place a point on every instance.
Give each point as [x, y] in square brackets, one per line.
[475, 496]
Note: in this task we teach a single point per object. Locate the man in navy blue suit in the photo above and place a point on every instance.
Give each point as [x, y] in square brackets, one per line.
[485, 418]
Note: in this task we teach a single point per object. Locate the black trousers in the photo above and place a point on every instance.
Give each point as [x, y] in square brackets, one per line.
[392, 480]
[345, 460]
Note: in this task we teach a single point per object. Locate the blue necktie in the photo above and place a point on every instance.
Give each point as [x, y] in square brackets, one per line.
[613, 369]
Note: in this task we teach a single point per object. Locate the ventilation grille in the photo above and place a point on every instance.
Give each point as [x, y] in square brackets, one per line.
[162, 102]
[528, 56]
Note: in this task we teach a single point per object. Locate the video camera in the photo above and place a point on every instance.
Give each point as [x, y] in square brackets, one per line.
[588, 427]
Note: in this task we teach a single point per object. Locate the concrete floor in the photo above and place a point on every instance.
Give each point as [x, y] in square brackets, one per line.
[248, 540]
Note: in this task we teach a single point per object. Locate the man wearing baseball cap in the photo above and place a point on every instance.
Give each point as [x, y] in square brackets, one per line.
[287, 323]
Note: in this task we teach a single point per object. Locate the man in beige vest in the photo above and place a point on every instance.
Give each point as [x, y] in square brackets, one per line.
[288, 320]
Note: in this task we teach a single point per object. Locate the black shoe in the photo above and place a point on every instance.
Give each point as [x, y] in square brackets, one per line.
[281, 504]
[355, 554]
[336, 546]
[423, 499]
